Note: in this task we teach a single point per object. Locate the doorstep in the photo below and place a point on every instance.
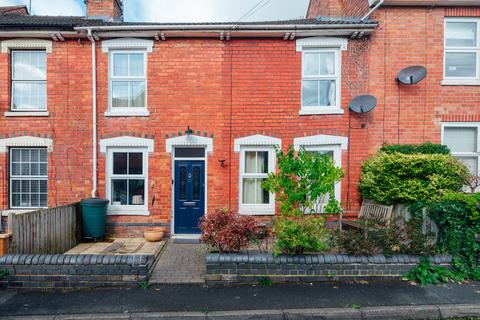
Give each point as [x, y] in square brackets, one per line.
[186, 238]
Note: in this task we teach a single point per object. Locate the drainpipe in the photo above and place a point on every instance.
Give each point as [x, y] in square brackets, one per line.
[94, 113]
[373, 10]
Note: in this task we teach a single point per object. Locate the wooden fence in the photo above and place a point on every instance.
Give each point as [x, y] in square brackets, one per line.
[48, 231]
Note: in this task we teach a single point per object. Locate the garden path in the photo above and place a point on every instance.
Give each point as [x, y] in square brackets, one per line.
[180, 263]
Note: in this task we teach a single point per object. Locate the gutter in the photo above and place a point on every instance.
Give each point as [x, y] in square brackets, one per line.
[223, 27]
[94, 113]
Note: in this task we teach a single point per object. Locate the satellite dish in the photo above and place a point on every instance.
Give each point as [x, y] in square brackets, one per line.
[363, 104]
[412, 75]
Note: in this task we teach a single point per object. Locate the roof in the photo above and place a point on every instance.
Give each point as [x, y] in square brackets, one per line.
[20, 10]
[64, 23]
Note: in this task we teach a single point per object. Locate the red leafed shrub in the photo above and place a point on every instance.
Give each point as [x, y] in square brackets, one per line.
[227, 231]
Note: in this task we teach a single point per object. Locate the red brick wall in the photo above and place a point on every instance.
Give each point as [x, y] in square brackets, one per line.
[105, 8]
[69, 123]
[332, 8]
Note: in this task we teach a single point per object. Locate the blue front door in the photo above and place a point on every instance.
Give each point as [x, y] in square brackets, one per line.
[189, 184]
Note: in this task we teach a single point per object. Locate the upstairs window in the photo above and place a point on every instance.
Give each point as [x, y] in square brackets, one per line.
[128, 81]
[29, 80]
[462, 49]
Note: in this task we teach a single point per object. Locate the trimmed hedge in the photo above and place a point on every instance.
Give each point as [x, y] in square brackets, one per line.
[425, 148]
[390, 178]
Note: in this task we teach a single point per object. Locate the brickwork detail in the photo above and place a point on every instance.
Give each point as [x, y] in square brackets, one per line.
[248, 268]
[74, 271]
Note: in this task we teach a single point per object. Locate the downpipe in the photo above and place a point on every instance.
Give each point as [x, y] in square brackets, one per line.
[94, 113]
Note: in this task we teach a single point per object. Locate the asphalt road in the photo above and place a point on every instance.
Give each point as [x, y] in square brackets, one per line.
[181, 298]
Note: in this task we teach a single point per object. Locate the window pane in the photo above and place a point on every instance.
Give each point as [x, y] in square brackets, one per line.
[248, 191]
[29, 95]
[119, 163]
[250, 162]
[16, 186]
[16, 155]
[119, 192]
[263, 196]
[461, 34]
[136, 64]
[183, 183]
[120, 64]
[460, 64]
[189, 152]
[310, 93]
[43, 186]
[29, 65]
[471, 163]
[460, 139]
[136, 190]
[196, 183]
[137, 94]
[135, 164]
[262, 162]
[327, 92]
[43, 200]
[310, 64]
[16, 200]
[327, 63]
[16, 169]
[120, 94]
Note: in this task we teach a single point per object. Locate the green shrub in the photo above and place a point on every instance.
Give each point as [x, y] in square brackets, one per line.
[426, 273]
[374, 237]
[424, 148]
[302, 181]
[470, 200]
[404, 178]
[458, 237]
[296, 235]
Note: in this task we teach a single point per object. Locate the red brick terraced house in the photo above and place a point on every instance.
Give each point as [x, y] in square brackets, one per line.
[170, 121]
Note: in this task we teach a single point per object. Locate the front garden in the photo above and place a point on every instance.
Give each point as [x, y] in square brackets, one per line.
[433, 239]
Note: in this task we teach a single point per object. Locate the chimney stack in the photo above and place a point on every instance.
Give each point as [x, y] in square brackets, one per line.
[109, 10]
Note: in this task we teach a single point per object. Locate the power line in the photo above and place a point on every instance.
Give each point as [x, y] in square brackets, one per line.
[250, 12]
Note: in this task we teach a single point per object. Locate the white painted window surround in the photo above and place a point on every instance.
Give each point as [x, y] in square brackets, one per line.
[325, 144]
[257, 159]
[26, 44]
[463, 139]
[321, 74]
[129, 147]
[462, 51]
[128, 86]
[25, 141]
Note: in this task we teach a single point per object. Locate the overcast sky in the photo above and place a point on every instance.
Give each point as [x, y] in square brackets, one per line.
[180, 10]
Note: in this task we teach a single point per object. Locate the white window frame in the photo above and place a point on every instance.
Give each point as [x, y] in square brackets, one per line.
[461, 80]
[36, 111]
[464, 125]
[126, 209]
[256, 209]
[12, 177]
[337, 77]
[337, 159]
[128, 111]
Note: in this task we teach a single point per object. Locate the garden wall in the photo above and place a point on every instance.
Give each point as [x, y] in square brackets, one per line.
[250, 268]
[48, 271]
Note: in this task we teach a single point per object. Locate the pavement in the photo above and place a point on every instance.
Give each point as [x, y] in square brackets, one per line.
[180, 263]
[376, 300]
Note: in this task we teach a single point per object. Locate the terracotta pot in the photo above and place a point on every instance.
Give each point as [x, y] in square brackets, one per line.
[153, 235]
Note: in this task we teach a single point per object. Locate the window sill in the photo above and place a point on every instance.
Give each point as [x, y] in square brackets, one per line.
[128, 213]
[132, 113]
[320, 110]
[451, 82]
[256, 211]
[26, 114]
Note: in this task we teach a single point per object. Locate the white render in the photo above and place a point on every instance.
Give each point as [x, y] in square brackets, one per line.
[256, 140]
[8, 45]
[127, 43]
[322, 42]
[320, 140]
[127, 141]
[189, 140]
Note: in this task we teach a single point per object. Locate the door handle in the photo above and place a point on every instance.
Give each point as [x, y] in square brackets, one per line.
[189, 203]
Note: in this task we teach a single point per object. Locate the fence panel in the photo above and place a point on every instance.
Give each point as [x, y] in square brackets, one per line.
[47, 231]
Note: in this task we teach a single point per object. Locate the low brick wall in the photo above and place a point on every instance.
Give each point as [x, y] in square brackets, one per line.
[74, 271]
[250, 268]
